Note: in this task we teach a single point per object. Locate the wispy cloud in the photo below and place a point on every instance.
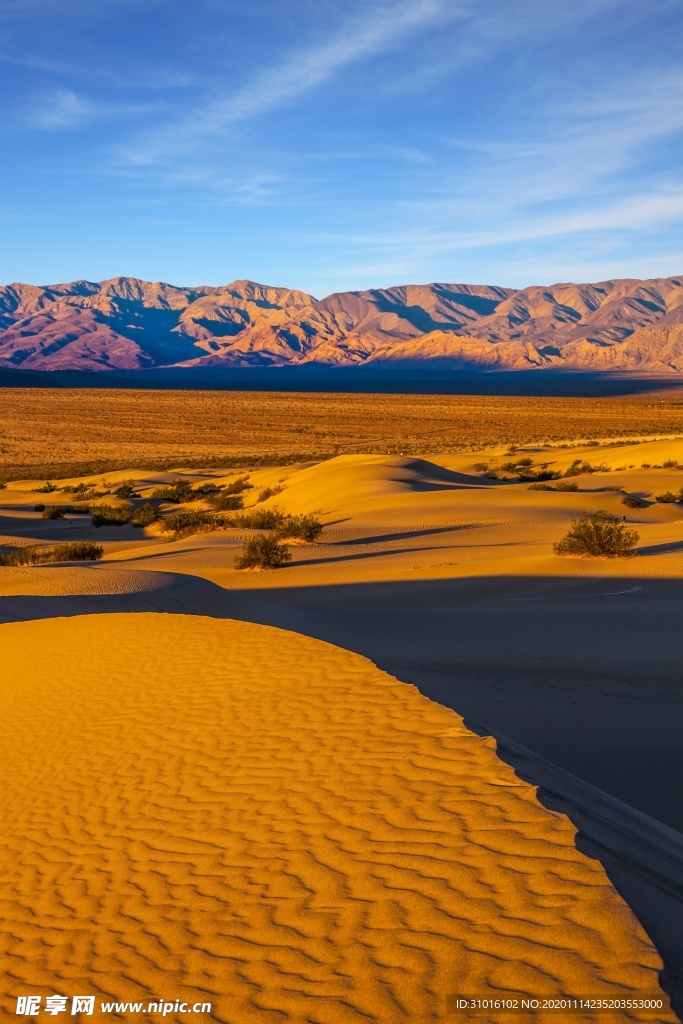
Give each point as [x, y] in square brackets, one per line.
[382, 26]
[65, 110]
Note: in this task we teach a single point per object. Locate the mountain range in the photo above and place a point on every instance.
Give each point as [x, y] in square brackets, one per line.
[129, 324]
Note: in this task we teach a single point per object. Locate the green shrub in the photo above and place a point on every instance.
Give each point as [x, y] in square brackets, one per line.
[237, 486]
[264, 552]
[178, 491]
[579, 467]
[306, 528]
[269, 492]
[632, 502]
[53, 512]
[222, 502]
[34, 554]
[145, 515]
[668, 497]
[126, 489]
[566, 485]
[27, 554]
[600, 535]
[562, 485]
[260, 519]
[204, 490]
[184, 524]
[110, 515]
[77, 551]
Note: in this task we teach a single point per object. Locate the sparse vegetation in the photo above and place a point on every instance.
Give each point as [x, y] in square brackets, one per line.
[145, 515]
[307, 528]
[670, 464]
[39, 507]
[111, 515]
[178, 491]
[600, 535]
[561, 485]
[34, 554]
[222, 502]
[53, 512]
[237, 486]
[184, 524]
[669, 498]
[269, 492]
[632, 502]
[580, 466]
[207, 489]
[47, 488]
[126, 489]
[260, 519]
[263, 552]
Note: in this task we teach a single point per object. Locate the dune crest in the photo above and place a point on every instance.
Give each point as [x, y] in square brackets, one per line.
[207, 809]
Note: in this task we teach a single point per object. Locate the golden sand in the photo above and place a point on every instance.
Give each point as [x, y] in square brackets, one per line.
[205, 809]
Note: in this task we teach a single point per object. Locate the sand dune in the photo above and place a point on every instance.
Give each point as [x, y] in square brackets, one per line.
[223, 811]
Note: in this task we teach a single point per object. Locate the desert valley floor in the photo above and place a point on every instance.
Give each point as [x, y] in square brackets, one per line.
[348, 789]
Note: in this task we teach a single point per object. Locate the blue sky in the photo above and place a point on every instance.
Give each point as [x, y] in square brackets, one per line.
[339, 144]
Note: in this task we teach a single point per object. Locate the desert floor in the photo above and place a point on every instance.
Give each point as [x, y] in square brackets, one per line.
[443, 578]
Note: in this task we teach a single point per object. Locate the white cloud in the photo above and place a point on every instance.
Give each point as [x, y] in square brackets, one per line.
[383, 25]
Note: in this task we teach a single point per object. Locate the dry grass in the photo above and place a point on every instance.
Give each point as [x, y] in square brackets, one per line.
[65, 432]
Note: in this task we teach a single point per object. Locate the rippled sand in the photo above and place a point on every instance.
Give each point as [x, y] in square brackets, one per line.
[207, 809]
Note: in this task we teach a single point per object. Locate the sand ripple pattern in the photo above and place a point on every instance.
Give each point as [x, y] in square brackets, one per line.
[60, 581]
[207, 809]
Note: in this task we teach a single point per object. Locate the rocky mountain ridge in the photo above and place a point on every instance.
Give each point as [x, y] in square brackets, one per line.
[129, 324]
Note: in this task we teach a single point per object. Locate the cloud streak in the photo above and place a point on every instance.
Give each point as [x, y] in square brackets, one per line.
[381, 27]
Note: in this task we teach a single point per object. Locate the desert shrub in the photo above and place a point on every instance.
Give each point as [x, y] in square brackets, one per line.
[184, 524]
[645, 465]
[126, 489]
[260, 519]
[3, 485]
[600, 535]
[47, 488]
[222, 502]
[561, 485]
[27, 554]
[77, 551]
[263, 552]
[541, 474]
[178, 491]
[670, 464]
[34, 554]
[632, 502]
[481, 467]
[39, 507]
[237, 486]
[491, 475]
[306, 528]
[53, 512]
[145, 515]
[667, 498]
[269, 492]
[207, 489]
[110, 515]
[580, 466]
